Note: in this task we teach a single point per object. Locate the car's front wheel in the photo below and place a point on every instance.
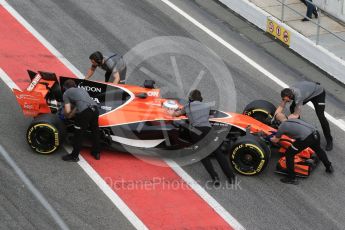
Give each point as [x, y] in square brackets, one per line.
[260, 110]
[249, 155]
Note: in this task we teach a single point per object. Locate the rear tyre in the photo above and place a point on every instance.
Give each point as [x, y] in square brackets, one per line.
[46, 133]
[260, 110]
[249, 155]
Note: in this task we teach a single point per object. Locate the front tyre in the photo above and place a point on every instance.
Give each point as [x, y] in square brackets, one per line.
[249, 155]
[45, 134]
[260, 110]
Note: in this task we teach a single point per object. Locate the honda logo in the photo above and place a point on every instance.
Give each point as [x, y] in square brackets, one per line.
[90, 88]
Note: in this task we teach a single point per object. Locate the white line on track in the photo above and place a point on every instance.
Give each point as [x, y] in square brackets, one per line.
[243, 56]
[177, 169]
[126, 211]
[7, 80]
[117, 201]
[120, 204]
[87, 168]
[39, 37]
[342, 121]
[205, 196]
[109, 192]
[37, 194]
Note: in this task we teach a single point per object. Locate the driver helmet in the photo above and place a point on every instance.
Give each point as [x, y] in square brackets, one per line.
[170, 105]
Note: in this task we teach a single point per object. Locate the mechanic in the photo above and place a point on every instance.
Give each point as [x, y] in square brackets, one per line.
[78, 104]
[311, 9]
[198, 116]
[113, 65]
[305, 135]
[300, 94]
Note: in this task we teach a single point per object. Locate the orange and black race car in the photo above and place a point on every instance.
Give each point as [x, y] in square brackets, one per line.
[134, 119]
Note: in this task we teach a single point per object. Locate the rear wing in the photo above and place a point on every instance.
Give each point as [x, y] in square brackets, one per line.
[43, 95]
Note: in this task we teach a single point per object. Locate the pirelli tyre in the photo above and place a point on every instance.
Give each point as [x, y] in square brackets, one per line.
[46, 133]
[260, 110]
[249, 155]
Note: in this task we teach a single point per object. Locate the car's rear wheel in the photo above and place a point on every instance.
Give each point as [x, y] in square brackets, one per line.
[249, 155]
[260, 110]
[46, 133]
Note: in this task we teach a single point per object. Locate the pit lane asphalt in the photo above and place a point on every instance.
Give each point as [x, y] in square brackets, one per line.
[77, 29]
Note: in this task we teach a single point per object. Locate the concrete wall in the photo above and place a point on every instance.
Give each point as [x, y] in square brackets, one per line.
[333, 7]
[300, 44]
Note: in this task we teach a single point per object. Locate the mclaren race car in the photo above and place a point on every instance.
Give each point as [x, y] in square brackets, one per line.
[134, 119]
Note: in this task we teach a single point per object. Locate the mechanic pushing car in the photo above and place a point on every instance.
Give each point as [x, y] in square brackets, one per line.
[79, 105]
[113, 65]
[305, 136]
[198, 116]
[300, 94]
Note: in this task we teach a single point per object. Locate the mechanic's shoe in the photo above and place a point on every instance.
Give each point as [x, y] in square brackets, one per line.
[70, 158]
[305, 20]
[232, 180]
[216, 181]
[329, 169]
[289, 180]
[97, 156]
[316, 14]
[329, 146]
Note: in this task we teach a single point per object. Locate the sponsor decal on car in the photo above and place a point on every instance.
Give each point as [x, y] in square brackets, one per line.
[96, 100]
[30, 113]
[26, 97]
[90, 88]
[153, 93]
[107, 108]
[34, 82]
[220, 124]
[262, 162]
[30, 106]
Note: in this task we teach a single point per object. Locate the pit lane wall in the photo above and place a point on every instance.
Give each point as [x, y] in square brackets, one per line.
[302, 45]
[333, 7]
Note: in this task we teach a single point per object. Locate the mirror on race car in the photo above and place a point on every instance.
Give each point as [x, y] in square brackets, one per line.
[149, 84]
[141, 95]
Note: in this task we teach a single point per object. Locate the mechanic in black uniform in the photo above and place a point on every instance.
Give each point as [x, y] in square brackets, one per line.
[198, 116]
[78, 104]
[300, 94]
[113, 65]
[305, 136]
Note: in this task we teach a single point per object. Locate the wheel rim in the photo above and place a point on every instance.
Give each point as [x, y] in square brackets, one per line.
[248, 159]
[43, 138]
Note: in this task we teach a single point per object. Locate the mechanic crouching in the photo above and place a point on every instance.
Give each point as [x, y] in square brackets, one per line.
[305, 136]
[300, 94]
[198, 116]
[78, 104]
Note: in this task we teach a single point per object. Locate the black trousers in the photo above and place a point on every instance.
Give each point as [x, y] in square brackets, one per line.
[310, 8]
[84, 120]
[206, 162]
[122, 73]
[222, 161]
[319, 105]
[299, 145]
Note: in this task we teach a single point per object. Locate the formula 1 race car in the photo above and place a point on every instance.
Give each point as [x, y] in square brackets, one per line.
[134, 119]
